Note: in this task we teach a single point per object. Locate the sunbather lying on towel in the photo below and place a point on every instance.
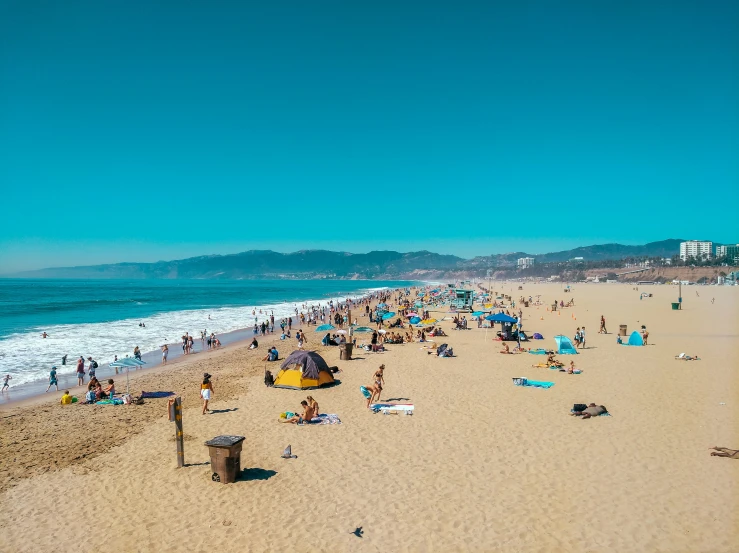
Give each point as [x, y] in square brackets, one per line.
[724, 452]
[552, 362]
[592, 410]
[684, 357]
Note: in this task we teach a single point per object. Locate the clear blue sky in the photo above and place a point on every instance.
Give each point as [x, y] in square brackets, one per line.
[137, 131]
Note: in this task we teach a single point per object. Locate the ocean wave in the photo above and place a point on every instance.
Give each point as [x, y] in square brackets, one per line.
[27, 357]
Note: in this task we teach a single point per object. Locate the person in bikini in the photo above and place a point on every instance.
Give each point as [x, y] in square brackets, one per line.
[379, 381]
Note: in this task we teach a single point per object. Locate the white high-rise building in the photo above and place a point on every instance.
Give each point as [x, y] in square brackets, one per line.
[525, 262]
[696, 248]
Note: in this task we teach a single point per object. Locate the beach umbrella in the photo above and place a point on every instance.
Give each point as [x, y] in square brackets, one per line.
[415, 320]
[324, 328]
[388, 315]
[381, 305]
[341, 332]
[382, 331]
[127, 363]
[363, 329]
[500, 318]
[411, 314]
[418, 304]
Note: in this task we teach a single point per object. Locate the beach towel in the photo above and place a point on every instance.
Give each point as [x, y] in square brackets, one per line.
[114, 401]
[407, 408]
[538, 351]
[365, 392]
[152, 395]
[535, 383]
[322, 419]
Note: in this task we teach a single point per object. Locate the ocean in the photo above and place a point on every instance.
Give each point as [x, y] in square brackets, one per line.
[100, 318]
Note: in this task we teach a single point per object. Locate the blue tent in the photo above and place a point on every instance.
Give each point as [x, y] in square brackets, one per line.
[635, 339]
[564, 345]
[500, 318]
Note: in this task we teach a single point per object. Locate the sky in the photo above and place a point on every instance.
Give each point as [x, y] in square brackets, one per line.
[142, 131]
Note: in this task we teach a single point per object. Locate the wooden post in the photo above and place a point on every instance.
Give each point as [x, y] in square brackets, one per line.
[175, 414]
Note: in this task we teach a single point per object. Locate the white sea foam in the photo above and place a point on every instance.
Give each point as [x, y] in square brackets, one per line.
[27, 357]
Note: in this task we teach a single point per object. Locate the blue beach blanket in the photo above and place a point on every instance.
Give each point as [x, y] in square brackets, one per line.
[114, 401]
[538, 351]
[537, 384]
[152, 395]
[323, 419]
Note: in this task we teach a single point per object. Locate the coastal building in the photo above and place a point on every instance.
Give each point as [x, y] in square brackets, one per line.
[525, 262]
[732, 252]
[696, 248]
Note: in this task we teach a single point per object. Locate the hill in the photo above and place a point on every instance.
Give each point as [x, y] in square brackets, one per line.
[254, 264]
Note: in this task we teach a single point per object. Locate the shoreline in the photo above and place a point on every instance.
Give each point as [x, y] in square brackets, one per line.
[33, 393]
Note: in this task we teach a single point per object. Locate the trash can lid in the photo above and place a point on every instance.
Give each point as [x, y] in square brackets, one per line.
[224, 441]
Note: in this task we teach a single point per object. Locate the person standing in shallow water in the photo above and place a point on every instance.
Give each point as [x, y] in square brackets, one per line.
[52, 379]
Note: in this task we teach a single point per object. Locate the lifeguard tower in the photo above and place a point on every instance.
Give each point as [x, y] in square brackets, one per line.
[462, 300]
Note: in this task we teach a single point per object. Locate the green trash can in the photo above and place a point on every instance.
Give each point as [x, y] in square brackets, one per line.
[675, 306]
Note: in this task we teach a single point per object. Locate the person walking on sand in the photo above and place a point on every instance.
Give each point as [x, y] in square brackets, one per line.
[52, 379]
[165, 353]
[602, 325]
[582, 338]
[206, 391]
[7, 379]
[81, 371]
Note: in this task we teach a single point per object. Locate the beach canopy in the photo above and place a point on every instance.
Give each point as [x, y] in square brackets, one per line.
[388, 315]
[635, 339]
[324, 328]
[500, 318]
[564, 345]
[304, 370]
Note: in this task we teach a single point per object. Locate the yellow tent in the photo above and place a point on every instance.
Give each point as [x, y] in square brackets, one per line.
[304, 370]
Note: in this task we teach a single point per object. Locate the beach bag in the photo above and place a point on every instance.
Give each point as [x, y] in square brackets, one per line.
[90, 397]
[94, 364]
[579, 407]
[127, 399]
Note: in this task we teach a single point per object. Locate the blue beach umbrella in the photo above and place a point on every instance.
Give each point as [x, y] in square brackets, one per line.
[363, 329]
[381, 305]
[418, 304]
[324, 328]
[500, 318]
[414, 320]
[387, 316]
[127, 363]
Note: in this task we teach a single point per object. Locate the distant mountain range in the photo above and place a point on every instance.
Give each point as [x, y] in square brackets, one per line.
[255, 264]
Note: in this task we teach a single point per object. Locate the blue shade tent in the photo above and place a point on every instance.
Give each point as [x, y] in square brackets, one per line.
[414, 320]
[127, 363]
[635, 339]
[324, 328]
[500, 318]
[387, 316]
[564, 345]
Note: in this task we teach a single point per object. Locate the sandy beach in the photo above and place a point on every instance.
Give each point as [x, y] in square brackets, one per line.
[482, 465]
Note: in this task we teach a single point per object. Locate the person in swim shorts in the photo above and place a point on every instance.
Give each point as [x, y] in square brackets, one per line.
[52, 379]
